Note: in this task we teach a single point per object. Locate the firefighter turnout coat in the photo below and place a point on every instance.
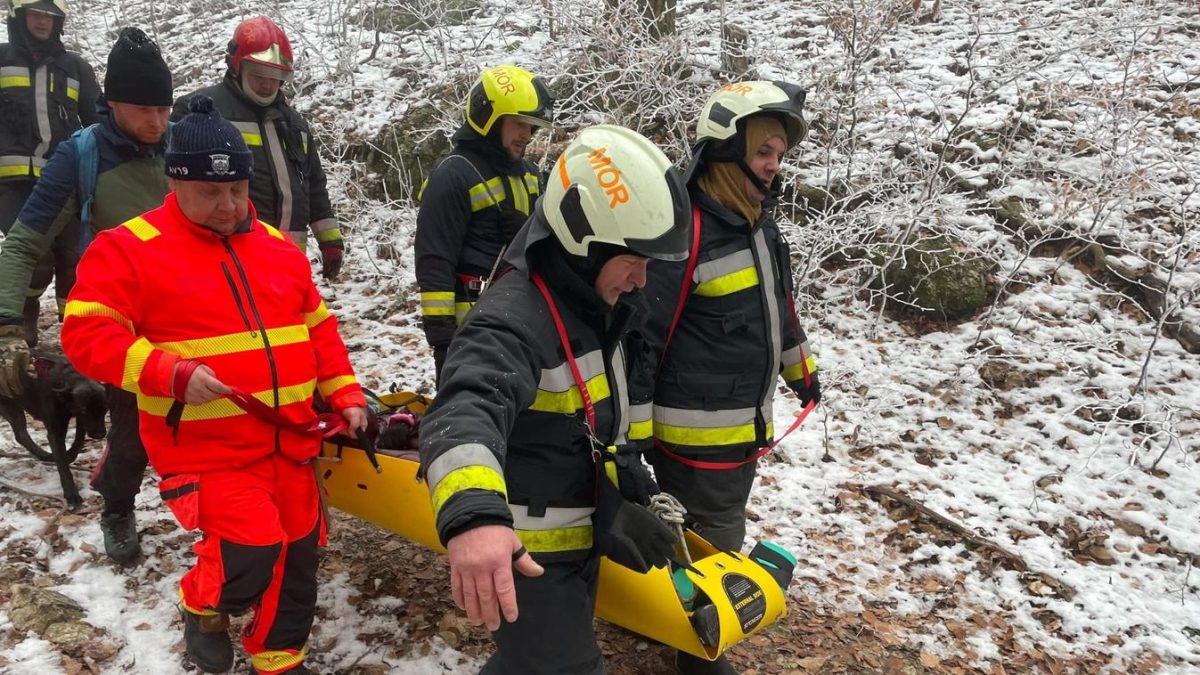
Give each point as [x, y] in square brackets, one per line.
[737, 335]
[471, 206]
[506, 441]
[160, 289]
[41, 102]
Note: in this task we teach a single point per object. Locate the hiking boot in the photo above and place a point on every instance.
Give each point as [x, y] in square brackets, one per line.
[207, 640]
[120, 537]
[686, 664]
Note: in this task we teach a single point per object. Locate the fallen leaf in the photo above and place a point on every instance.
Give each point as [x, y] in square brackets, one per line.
[929, 659]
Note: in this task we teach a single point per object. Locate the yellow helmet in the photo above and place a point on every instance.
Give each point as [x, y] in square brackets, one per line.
[52, 7]
[508, 90]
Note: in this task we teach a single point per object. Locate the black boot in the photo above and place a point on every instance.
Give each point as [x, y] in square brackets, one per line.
[120, 537]
[686, 664]
[207, 640]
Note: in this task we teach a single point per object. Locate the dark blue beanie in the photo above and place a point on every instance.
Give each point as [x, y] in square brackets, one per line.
[204, 146]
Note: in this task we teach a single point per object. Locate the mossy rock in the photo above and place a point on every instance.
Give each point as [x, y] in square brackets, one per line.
[407, 150]
[933, 278]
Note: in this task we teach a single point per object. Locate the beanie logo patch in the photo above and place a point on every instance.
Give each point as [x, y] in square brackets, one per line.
[220, 164]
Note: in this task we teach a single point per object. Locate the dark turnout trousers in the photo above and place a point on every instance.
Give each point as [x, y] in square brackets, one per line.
[118, 475]
[553, 634]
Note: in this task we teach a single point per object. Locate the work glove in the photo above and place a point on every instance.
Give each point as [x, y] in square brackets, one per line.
[634, 479]
[629, 534]
[14, 360]
[511, 222]
[331, 258]
[809, 392]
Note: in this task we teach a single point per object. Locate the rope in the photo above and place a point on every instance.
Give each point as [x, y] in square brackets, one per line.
[670, 511]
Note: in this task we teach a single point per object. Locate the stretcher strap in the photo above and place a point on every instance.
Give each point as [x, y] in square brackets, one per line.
[725, 466]
[589, 408]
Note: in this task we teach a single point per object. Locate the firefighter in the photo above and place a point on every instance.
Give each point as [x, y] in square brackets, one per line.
[179, 306]
[127, 157]
[288, 188]
[534, 403]
[46, 93]
[477, 198]
[734, 332]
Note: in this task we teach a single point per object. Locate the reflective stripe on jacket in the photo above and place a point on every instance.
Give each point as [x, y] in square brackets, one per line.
[159, 289]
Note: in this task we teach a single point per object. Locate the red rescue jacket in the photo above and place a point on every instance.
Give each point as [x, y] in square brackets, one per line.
[160, 288]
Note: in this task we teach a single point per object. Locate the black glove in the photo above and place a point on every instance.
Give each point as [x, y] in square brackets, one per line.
[511, 222]
[331, 258]
[630, 535]
[809, 392]
[634, 479]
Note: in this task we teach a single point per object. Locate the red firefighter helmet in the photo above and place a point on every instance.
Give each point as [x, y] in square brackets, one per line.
[260, 41]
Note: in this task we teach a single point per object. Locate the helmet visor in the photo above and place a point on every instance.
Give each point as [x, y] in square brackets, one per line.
[256, 69]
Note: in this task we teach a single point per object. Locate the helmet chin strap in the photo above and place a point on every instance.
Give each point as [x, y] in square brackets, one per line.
[770, 193]
[253, 95]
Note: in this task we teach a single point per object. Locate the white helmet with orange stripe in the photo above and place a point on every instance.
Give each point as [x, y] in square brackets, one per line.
[613, 186]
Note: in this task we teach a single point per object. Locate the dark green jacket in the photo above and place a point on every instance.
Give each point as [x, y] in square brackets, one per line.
[130, 181]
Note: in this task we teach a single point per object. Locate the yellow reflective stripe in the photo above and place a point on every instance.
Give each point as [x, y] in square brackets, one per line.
[437, 303]
[520, 195]
[22, 170]
[796, 370]
[278, 660]
[314, 318]
[460, 311]
[235, 343]
[569, 401]
[554, 541]
[252, 139]
[223, 407]
[487, 194]
[728, 283]
[532, 184]
[640, 430]
[273, 231]
[135, 363]
[141, 228]
[195, 610]
[331, 234]
[14, 81]
[81, 309]
[467, 478]
[421, 192]
[743, 433]
[329, 387]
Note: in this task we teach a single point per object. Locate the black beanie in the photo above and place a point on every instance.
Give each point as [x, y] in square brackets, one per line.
[136, 71]
[204, 146]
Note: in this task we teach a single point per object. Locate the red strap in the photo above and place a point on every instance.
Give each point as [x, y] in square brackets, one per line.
[725, 466]
[588, 408]
[325, 424]
[184, 370]
[687, 280]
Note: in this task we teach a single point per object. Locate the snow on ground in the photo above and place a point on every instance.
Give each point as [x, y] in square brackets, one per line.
[1018, 424]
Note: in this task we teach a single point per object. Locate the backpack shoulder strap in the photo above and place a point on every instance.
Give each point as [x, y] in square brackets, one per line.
[686, 286]
[87, 164]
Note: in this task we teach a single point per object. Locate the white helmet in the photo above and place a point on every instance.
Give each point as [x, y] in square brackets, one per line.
[613, 186]
[52, 7]
[736, 101]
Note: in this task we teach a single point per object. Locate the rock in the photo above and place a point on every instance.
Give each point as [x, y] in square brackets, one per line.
[71, 636]
[35, 609]
[934, 277]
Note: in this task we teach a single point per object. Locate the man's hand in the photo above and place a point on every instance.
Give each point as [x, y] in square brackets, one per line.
[356, 418]
[331, 258]
[204, 387]
[14, 360]
[481, 578]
